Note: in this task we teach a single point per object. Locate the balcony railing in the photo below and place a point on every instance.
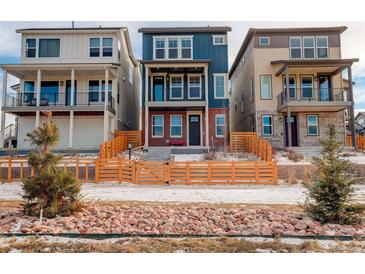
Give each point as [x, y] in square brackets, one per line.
[312, 94]
[29, 99]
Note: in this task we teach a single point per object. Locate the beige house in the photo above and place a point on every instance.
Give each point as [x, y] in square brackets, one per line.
[290, 72]
[65, 70]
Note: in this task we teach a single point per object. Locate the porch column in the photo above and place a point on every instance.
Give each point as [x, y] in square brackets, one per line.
[287, 92]
[206, 107]
[72, 103]
[38, 97]
[288, 117]
[352, 114]
[5, 87]
[146, 112]
[106, 99]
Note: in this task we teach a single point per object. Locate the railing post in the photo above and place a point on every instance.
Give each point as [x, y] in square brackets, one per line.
[9, 170]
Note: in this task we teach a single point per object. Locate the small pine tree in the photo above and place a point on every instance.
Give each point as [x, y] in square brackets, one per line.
[329, 196]
[50, 191]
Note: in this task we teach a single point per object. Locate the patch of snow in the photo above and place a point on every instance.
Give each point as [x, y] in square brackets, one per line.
[187, 157]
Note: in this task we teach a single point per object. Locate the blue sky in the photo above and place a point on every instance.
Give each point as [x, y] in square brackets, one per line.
[353, 41]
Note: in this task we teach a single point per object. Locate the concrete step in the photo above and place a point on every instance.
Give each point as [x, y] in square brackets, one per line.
[158, 154]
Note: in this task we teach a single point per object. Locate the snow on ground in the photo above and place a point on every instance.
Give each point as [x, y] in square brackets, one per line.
[250, 194]
[187, 157]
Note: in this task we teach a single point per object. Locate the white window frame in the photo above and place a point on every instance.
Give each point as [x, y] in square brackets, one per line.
[181, 76]
[90, 47]
[271, 95]
[181, 47]
[166, 47]
[223, 125]
[314, 47]
[171, 125]
[26, 48]
[102, 47]
[262, 125]
[316, 53]
[263, 44]
[301, 85]
[317, 124]
[215, 75]
[45, 38]
[163, 126]
[224, 39]
[200, 86]
[300, 47]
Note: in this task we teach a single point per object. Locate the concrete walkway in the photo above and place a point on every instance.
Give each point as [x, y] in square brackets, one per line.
[281, 194]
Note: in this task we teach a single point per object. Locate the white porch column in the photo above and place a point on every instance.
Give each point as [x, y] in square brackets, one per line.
[72, 103]
[38, 97]
[206, 107]
[288, 121]
[146, 112]
[5, 86]
[72, 87]
[106, 100]
[352, 114]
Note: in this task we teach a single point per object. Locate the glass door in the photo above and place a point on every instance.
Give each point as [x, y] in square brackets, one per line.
[324, 88]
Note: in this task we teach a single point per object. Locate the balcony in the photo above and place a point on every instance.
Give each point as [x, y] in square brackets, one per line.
[83, 101]
[311, 99]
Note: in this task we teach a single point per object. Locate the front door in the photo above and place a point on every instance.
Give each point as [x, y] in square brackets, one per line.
[294, 130]
[324, 87]
[194, 130]
[158, 89]
[68, 92]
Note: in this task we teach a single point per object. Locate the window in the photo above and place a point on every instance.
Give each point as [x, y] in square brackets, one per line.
[266, 125]
[312, 125]
[308, 47]
[264, 41]
[29, 92]
[49, 48]
[219, 125]
[49, 92]
[107, 47]
[110, 87]
[159, 48]
[173, 48]
[307, 86]
[220, 86]
[292, 86]
[266, 93]
[194, 87]
[30, 47]
[252, 91]
[186, 45]
[93, 90]
[295, 44]
[176, 87]
[94, 47]
[322, 47]
[219, 40]
[157, 125]
[175, 126]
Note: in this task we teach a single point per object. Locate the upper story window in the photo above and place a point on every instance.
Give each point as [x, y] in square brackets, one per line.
[266, 93]
[176, 47]
[295, 44]
[107, 47]
[322, 47]
[49, 47]
[176, 87]
[30, 47]
[264, 41]
[219, 39]
[101, 47]
[220, 86]
[194, 86]
[94, 47]
[308, 47]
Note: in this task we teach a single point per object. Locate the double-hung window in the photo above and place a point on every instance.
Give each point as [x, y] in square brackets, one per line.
[292, 86]
[266, 93]
[186, 47]
[219, 40]
[308, 47]
[157, 126]
[266, 125]
[173, 51]
[93, 90]
[94, 47]
[220, 86]
[194, 87]
[176, 87]
[176, 126]
[295, 44]
[322, 47]
[219, 125]
[30, 47]
[312, 125]
[107, 47]
[159, 48]
[307, 86]
[49, 47]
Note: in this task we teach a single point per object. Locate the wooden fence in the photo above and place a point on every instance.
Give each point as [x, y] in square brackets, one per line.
[249, 142]
[134, 136]
[360, 141]
[208, 172]
[16, 169]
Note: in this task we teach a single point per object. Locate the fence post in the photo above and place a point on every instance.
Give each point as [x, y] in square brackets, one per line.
[77, 168]
[96, 166]
[257, 173]
[167, 172]
[233, 172]
[188, 173]
[209, 172]
[275, 169]
[9, 170]
[120, 166]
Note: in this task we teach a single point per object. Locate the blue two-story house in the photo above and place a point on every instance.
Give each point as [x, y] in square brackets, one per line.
[185, 86]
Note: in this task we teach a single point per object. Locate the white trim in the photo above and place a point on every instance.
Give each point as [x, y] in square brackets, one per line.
[215, 125]
[101, 47]
[154, 47]
[215, 75]
[220, 36]
[181, 126]
[200, 86]
[262, 124]
[36, 47]
[328, 52]
[300, 47]
[163, 126]
[268, 39]
[166, 46]
[188, 113]
[181, 76]
[314, 47]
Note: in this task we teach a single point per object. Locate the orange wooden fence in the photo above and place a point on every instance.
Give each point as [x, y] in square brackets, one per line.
[111, 148]
[134, 136]
[208, 172]
[16, 169]
[249, 142]
[360, 141]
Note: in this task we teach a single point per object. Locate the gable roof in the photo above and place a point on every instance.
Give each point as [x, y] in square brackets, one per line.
[207, 29]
